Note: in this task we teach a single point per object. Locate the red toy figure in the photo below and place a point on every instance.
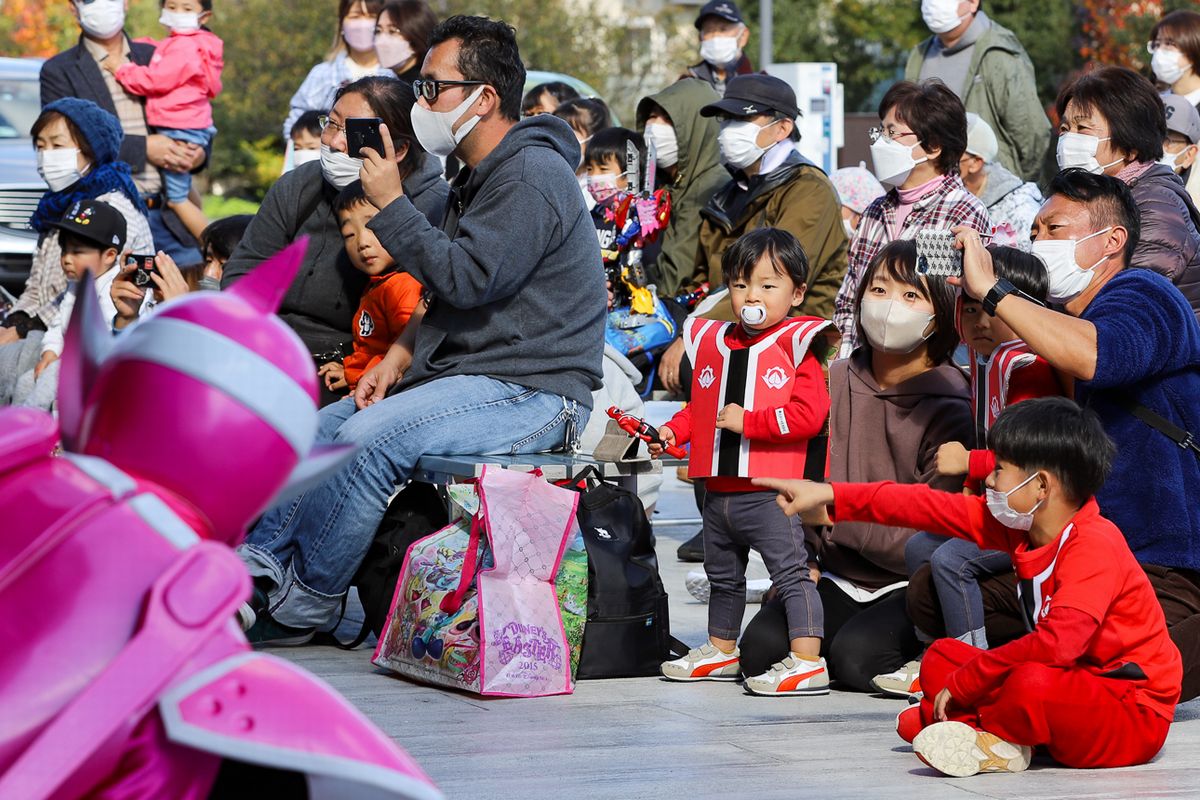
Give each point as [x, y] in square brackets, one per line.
[643, 430]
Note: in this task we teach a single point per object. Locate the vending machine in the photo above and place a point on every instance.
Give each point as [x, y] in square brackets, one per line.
[820, 98]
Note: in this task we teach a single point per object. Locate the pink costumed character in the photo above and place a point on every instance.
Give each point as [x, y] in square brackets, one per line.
[122, 671]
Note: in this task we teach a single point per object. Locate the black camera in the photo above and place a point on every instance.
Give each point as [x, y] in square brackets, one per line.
[145, 266]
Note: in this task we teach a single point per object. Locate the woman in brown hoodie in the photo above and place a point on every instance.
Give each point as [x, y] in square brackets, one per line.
[895, 400]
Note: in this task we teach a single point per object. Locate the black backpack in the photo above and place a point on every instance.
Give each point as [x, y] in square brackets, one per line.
[628, 632]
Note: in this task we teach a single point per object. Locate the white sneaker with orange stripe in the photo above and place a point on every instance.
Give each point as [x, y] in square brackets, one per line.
[791, 676]
[903, 682]
[703, 663]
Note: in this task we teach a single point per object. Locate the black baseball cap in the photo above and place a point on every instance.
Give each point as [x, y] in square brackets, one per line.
[95, 221]
[725, 9]
[750, 95]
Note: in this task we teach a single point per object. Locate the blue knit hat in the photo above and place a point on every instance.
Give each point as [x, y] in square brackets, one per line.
[101, 129]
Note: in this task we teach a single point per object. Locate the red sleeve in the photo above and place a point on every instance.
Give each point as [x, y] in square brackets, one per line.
[681, 425]
[980, 464]
[803, 416]
[1032, 381]
[1060, 639]
[922, 508]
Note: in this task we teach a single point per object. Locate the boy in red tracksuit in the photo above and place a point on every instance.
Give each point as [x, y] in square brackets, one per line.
[758, 396]
[1097, 679]
[389, 302]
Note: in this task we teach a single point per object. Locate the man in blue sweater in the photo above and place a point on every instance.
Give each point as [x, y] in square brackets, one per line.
[511, 345]
[1131, 343]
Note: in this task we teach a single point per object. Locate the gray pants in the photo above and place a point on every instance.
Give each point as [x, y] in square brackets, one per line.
[736, 523]
[16, 359]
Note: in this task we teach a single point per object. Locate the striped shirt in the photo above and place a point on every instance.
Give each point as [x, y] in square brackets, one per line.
[131, 111]
[949, 205]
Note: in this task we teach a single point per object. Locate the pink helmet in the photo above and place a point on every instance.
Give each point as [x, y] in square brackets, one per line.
[209, 381]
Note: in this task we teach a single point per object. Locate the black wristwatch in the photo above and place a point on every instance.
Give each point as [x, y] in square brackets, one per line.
[1001, 290]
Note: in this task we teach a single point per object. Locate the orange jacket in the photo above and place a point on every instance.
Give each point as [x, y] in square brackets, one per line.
[386, 306]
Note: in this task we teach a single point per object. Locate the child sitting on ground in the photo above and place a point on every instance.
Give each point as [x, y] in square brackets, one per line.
[217, 244]
[1097, 680]
[389, 302]
[306, 138]
[758, 396]
[179, 84]
[1003, 372]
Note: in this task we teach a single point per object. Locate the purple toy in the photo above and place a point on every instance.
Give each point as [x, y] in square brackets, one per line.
[123, 674]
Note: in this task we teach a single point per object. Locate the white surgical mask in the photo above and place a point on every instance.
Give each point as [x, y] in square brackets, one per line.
[179, 20]
[666, 146]
[102, 18]
[1168, 65]
[893, 161]
[753, 316]
[339, 169]
[997, 504]
[720, 51]
[304, 156]
[738, 141]
[941, 16]
[892, 327]
[1079, 150]
[392, 49]
[602, 188]
[1066, 278]
[1171, 160]
[435, 129]
[849, 228]
[359, 34]
[59, 168]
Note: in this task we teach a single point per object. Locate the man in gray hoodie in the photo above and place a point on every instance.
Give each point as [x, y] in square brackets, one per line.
[509, 350]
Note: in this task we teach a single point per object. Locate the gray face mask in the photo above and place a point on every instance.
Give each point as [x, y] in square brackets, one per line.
[208, 284]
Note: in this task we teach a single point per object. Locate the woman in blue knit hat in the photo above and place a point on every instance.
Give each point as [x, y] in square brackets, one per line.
[77, 151]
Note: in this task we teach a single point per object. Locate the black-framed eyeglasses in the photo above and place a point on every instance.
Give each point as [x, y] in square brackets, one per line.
[430, 88]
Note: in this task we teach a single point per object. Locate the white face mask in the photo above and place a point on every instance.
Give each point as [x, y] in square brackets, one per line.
[359, 34]
[753, 316]
[102, 18]
[997, 503]
[1171, 160]
[179, 20]
[738, 141]
[435, 129]
[720, 51]
[893, 162]
[1168, 65]
[1079, 150]
[59, 168]
[849, 228]
[892, 327]
[339, 169]
[392, 49]
[588, 200]
[941, 16]
[1067, 279]
[305, 156]
[666, 146]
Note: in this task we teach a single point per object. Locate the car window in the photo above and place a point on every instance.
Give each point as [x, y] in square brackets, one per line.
[20, 103]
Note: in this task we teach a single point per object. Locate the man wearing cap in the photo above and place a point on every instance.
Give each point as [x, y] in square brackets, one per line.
[986, 66]
[723, 38]
[1011, 202]
[1180, 146]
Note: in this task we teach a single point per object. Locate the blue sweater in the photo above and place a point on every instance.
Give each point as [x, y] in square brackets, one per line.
[1148, 345]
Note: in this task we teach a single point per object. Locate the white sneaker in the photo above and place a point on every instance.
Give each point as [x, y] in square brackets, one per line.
[246, 616]
[704, 663]
[698, 587]
[958, 750]
[903, 682]
[791, 676]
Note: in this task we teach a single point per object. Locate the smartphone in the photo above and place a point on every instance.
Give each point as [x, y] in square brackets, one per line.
[937, 255]
[145, 266]
[363, 132]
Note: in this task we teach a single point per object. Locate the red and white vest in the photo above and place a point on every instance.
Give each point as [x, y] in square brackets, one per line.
[758, 377]
[990, 395]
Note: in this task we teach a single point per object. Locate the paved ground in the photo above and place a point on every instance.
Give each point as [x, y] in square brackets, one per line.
[643, 737]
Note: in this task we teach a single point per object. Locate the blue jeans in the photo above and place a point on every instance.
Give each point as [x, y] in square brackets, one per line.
[169, 243]
[311, 547]
[177, 184]
[957, 565]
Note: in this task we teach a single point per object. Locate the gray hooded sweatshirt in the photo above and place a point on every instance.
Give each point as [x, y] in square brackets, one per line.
[514, 273]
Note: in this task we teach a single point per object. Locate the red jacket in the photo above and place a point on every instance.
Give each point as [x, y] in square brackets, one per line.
[1087, 600]
[387, 305]
[183, 76]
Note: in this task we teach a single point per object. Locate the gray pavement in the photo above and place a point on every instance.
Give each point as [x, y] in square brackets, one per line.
[647, 738]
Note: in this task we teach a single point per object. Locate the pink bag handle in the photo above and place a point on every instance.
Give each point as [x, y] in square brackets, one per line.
[452, 602]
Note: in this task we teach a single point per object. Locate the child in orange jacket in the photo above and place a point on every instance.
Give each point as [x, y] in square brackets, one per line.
[389, 301]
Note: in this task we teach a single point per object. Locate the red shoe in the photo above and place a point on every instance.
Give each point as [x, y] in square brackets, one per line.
[908, 723]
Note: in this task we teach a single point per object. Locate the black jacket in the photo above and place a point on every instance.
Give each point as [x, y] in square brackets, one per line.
[1170, 238]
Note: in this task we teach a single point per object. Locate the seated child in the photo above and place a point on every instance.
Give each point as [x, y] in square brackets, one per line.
[389, 301]
[1003, 372]
[217, 244]
[92, 235]
[758, 397]
[1097, 679]
[179, 84]
[306, 138]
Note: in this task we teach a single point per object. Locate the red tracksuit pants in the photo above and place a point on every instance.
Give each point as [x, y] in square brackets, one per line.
[1081, 719]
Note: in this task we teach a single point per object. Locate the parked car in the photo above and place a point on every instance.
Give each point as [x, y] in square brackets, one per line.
[20, 185]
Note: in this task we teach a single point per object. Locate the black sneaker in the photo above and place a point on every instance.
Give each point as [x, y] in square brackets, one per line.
[266, 632]
[247, 613]
[692, 551]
